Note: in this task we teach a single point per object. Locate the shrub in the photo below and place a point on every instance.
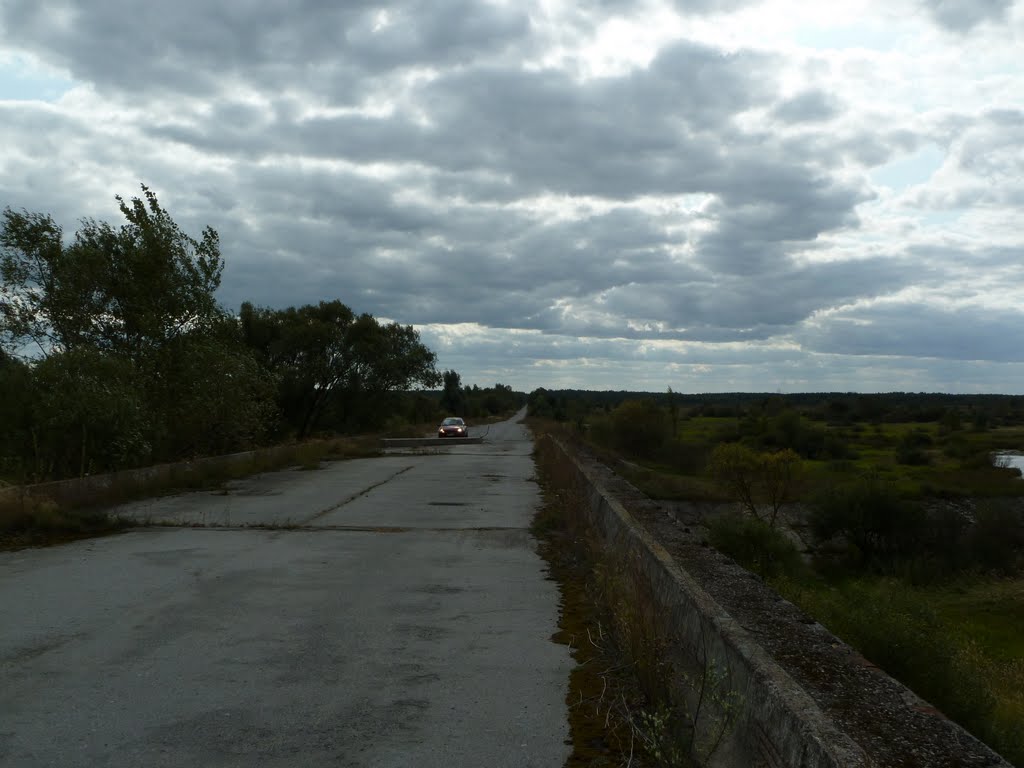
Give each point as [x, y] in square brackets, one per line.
[755, 545]
[878, 526]
[685, 457]
[640, 428]
[751, 477]
[996, 540]
[912, 448]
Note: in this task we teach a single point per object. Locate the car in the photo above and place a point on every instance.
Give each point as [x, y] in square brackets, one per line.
[453, 426]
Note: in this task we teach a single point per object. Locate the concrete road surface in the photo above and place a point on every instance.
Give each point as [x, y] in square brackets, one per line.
[395, 613]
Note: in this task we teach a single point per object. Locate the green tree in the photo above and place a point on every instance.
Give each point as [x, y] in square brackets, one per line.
[308, 349]
[878, 525]
[125, 290]
[452, 398]
[673, 412]
[87, 415]
[208, 395]
[735, 468]
[15, 419]
[390, 357]
[762, 482]
[540, 404]
[31, 268]
[133, 358]
[780, 475]
[325, 357]
[639, 428]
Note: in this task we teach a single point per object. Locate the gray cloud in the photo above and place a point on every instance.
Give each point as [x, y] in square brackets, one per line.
[806, 107]
[964, 15]
[919, 330]
[193, 47]
[424, 161]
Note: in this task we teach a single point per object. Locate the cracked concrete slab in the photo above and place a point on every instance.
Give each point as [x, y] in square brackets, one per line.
[399, 632]
[288, 497]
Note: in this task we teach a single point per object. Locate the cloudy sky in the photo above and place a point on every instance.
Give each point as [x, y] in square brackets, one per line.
[712, 195]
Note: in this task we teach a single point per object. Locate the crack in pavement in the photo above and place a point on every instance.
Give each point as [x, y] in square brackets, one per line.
[342, 528]
[355, 496]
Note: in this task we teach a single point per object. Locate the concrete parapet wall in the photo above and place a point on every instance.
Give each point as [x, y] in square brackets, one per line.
[775, 722]
[100, 489]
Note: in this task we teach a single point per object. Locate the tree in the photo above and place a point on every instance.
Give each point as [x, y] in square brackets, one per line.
[126, 291]
[31, 260]
[15, 418]
[452, 400]
[87, 415]
[734, 466]
[389, 358]
[208, 395]
[780, 475]
[869, 513]
[752, 477]
[308, 349]
[325, 356]
[132, 358]
[673, 412]
[639, 428]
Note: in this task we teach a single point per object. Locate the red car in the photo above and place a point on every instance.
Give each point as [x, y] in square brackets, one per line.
[453, 426]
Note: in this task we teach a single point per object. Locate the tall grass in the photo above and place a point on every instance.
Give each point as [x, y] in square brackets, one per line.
[685, 705]
[900, 628]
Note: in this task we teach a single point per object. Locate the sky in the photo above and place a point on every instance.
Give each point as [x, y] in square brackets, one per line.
[707, 195]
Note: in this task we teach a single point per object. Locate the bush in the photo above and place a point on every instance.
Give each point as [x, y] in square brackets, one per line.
[958, 447]
[771, 478]
[878, 526]
[996, 540]
[755, 545]
[640, 428]
[684, 457]
[912, 448]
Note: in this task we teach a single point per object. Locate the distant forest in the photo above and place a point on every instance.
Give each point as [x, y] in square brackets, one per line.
[977, 411]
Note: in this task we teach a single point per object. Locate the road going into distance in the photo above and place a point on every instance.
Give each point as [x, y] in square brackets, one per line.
[394, 613]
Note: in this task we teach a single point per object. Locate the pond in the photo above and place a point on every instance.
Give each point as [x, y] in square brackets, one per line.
[1009, 459]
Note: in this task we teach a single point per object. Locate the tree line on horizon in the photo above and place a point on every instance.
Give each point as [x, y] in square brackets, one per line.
[979, 411]
[114, 353]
